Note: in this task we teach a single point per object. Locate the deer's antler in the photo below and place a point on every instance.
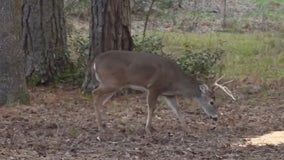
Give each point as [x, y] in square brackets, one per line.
[224, 88]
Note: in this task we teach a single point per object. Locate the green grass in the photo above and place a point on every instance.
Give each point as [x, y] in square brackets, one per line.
[271, 9]
[264, 2]
[258, 55]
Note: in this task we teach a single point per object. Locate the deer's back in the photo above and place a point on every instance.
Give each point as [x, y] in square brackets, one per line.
[120, 68]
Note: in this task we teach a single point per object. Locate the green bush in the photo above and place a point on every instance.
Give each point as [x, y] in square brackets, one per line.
[78, 44]
[151, 44]
[201, 62]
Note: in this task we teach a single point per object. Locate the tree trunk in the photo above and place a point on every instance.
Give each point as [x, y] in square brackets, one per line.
[224, 25]
[44, 38]
[12, 73]
[109, 30]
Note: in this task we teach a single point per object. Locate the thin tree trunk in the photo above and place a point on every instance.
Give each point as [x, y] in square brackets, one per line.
[12, 79]
[44, 38]
[109, 30]
[224, 14]
[147, 19]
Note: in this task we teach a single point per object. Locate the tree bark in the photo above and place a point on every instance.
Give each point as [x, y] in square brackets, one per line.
[12, 73]
[44, 38]
[109, 30]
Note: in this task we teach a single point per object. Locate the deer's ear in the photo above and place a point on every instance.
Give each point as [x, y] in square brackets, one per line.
[204, 88]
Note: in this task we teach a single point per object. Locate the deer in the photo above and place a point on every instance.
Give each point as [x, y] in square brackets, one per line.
[156, 75]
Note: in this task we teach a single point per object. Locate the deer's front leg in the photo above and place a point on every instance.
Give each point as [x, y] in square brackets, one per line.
[172, 104]
[151, 102]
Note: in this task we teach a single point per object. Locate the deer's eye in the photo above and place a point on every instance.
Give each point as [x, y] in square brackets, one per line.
[211, 102]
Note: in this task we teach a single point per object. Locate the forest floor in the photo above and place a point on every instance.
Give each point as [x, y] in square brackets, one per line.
[60, 124]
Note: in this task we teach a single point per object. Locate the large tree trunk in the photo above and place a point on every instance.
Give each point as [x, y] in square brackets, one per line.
[109, 30]
[44, 37]
[12, 73]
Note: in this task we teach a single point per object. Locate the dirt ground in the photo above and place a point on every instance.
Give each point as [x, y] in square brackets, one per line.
[60, 124]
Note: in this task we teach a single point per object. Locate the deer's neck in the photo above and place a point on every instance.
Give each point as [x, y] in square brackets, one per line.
[189, 87]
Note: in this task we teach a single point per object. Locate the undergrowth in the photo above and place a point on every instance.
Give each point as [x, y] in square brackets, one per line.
[205, 55]
[199, 61]
[259, 55]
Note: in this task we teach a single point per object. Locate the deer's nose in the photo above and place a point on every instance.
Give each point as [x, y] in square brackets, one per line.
[214, 118]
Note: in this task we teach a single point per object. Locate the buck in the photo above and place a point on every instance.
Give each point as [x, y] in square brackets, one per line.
[156, 75]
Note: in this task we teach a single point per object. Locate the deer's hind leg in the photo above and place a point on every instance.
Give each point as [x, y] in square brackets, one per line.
[103, 94]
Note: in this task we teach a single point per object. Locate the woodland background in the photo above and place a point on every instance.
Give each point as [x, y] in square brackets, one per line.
[242, 39]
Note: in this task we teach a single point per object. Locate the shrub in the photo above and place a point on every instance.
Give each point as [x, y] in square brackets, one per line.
[201, 62]
[78, 44]
[151, 44]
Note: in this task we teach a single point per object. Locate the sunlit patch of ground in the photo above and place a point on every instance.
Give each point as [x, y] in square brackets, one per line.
[272, 138]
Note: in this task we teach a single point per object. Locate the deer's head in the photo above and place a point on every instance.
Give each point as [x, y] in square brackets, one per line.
[207, 98]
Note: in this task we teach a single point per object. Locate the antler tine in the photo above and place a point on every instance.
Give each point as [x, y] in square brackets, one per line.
[224, 88]
[214, 87]
[219, 79]
[227, 82]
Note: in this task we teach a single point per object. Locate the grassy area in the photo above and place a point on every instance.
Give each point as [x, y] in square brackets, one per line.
[259, 55]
